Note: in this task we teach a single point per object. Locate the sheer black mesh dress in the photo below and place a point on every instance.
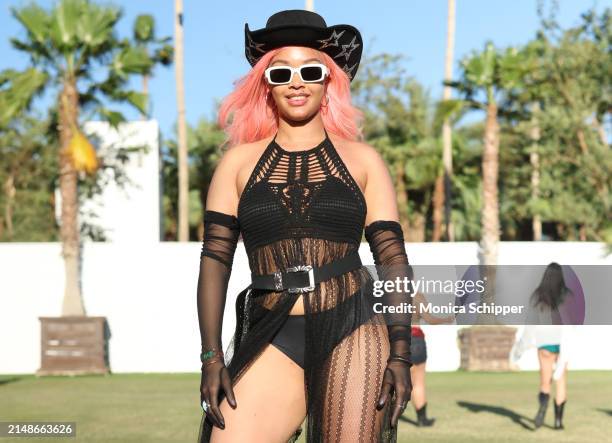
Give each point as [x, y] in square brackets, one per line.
[304, 207]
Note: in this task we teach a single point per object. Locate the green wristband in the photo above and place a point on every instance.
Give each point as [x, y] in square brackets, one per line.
[206, 355]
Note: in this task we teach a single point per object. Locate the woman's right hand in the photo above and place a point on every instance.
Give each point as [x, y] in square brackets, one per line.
[215, 376]
[396, 380]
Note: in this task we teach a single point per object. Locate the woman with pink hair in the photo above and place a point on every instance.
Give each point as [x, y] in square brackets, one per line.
[301, 188]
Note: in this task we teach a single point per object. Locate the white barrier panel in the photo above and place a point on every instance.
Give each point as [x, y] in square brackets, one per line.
[147, 291]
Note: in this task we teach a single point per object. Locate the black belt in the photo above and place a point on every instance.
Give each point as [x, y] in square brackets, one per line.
[303, 278]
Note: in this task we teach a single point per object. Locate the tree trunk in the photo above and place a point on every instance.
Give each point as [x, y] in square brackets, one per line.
[416, 233]
[438, 205]
[490, 166]
[490, 209]
[9, 191]
[402, 198]
[601, 131]
[534, 158]
[582, 141]
[183, 172]
[536, 222]
[69, 229]
[561, 231]
[447, 155]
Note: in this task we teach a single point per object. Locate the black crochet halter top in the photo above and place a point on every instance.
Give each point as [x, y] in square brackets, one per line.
[305, 208]
[307, 194]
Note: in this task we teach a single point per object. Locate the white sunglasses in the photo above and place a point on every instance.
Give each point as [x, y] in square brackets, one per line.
[309, 73]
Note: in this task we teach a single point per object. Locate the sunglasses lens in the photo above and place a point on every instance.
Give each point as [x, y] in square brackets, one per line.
[312, 73]
[280, 75]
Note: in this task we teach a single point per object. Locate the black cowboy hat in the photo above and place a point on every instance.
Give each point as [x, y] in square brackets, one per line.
[298, 27]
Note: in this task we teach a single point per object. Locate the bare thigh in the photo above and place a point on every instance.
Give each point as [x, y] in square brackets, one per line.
[547, 359]
[271, 402]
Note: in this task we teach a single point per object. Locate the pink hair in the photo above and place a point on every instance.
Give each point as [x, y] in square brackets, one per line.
[254, 115]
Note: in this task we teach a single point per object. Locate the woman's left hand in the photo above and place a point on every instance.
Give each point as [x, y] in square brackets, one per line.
[396, 378]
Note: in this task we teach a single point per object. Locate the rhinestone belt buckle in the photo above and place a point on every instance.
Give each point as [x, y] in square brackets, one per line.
[278, 281]
[311, 283]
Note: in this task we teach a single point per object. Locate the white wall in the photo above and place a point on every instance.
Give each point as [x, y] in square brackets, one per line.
[148, 293]
[132, 213]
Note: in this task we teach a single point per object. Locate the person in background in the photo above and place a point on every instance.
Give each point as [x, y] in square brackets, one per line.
[553, 341]
[418, 355]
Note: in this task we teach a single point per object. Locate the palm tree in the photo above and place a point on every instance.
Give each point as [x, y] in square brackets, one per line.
[67, 43]
[484, 77]
[183, 216]
[17, 90]
[534, 159]
[401, 123]
[442, 191]
[158, 50]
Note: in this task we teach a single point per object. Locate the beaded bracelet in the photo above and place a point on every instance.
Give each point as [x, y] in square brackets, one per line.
[206, 356]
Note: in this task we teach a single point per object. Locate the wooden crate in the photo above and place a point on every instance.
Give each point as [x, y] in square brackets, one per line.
[74, 345]
[486, 347]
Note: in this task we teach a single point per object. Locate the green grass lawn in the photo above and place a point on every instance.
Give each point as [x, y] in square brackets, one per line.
[469, 407]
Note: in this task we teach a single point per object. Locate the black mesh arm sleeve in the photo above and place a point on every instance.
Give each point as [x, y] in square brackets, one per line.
[221, 232]
[386, 241]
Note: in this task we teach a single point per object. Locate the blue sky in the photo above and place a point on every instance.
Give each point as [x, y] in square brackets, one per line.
[214, 38]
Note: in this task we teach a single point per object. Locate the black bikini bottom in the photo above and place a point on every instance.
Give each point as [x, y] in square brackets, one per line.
[290, 338]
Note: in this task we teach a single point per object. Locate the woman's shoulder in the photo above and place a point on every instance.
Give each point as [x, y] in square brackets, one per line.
[364, 157]
[229, 173]
[236, 157]
[242, 159]
[369, 156]
[240, 151]
[360, 149]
